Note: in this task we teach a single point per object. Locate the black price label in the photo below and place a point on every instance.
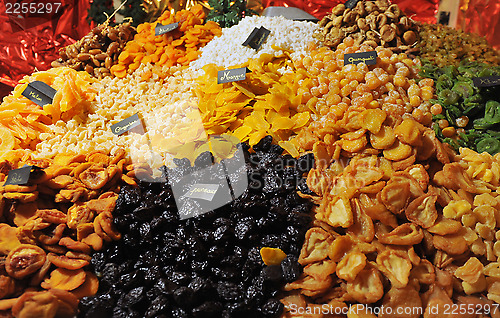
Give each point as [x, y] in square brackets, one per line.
[162, 29]
[39, 93]
[202, 191]
[369, 58]
[234, 75]
[486, 81]
[19, 176]
[256, 38]
[126, 125]
[349, 4]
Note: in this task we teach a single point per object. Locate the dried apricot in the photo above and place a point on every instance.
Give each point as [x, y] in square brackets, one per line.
[24, 260]
[65, 279]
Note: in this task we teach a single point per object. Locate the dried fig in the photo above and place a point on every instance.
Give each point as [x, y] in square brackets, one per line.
[387, 33]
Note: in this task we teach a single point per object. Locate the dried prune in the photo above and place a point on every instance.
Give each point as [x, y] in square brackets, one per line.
[264, 144]
[208, 309]
[291, 268]
[272, 308]
[208, 265]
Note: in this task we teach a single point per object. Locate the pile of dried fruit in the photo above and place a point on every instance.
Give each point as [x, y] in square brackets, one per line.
[50, 227]
[466, 115]
[97, 51]
[265, 103]
[21, 120]
[359, 105]
[207, 266]
[179, 46]
[375, 23]
[442, 45]
[416, 233]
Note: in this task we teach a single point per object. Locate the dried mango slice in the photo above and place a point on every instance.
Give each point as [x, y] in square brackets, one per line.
[242, 133]
[282, 123]
[65, 279]
[301, 119]
[7, 140]
[289, 147]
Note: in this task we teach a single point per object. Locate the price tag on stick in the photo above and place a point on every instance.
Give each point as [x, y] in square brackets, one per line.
[349, 4]
[19, 176]
[162, 29]
[369, 58]
[256, 38]
[39, 93]
[233, 75]
[126, 125]
[486, 81]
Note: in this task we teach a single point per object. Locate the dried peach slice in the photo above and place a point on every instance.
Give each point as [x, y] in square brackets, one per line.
[316, 245]
[24, 260]
[93, 240]
[35, 304]
[396, 266]
[320, 270]
[398, 299]
[79, 213]
[7, 304]
[453, 244]
[66, 262]
[68, 302]
[52, 216]
[74, 245]
[105, 220]
[8, 238]
[7, 286]
[422, 211]
[349, 267]
[405, 234]
[367, 287]
[65, 279]
[88, 288]
[94, 177]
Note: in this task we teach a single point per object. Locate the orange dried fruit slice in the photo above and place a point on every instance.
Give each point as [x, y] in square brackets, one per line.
[65, 279]
[8, 238]
[24, 260]
[88, 288]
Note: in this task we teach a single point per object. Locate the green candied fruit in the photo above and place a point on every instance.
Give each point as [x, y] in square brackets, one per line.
[448, 97]
[489, 144]
[464, 89]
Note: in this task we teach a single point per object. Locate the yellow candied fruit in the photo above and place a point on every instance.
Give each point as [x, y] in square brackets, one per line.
[272, 256]
[456, 208]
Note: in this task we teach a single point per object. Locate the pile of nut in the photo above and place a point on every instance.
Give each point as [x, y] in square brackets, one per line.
[370, 22]
[50, 228]
[97, 51]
